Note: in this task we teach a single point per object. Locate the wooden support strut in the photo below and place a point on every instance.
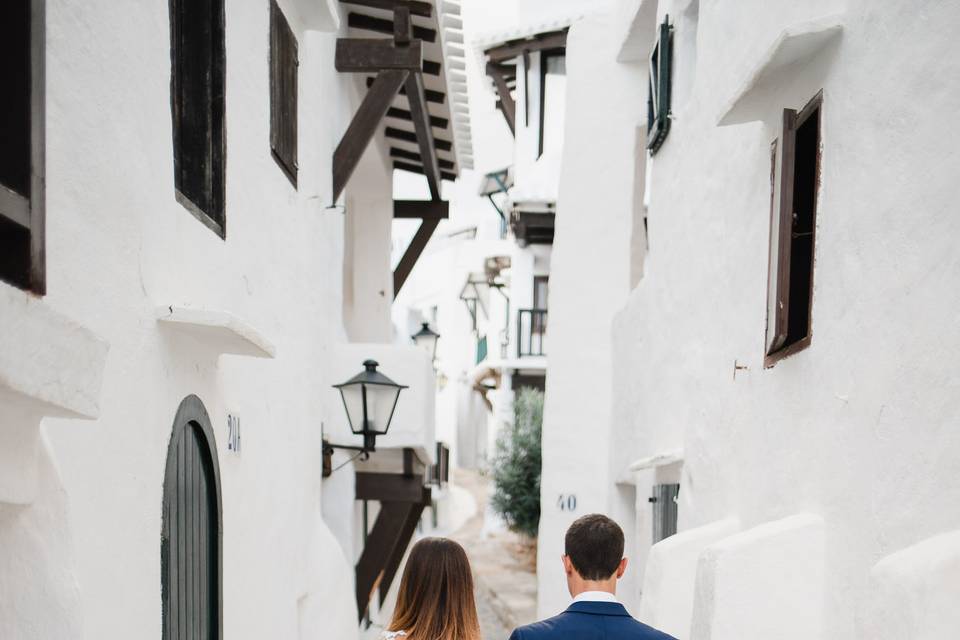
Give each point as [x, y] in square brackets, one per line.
[507, 104]
[364, 125]
[421, 124]
[387, 544]
[412, 254]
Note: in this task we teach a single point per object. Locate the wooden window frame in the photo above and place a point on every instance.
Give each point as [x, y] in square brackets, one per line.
[659, 84]
[30, 212]
[216, 219]
[783, 155]
[283, 104]
[537, 280]
[545, 56]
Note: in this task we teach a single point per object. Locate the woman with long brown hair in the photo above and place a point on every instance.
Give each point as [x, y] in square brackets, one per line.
[435, 601]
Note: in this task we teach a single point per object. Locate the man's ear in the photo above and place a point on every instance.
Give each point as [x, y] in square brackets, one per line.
[621, 568]
[568, 566]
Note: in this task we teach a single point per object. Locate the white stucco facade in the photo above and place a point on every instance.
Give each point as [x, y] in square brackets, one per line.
[841, 461]
[146, 306]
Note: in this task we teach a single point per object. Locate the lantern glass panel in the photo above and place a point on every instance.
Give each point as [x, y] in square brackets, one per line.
[381, 401]
[353, 402]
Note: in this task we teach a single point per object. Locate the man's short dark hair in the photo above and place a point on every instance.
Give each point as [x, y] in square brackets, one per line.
[594, 544]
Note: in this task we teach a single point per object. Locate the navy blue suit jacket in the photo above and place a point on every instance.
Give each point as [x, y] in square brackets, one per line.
[590, 621]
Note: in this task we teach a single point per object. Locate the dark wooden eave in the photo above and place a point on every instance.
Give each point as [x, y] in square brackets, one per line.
[504, 75]
[398, 90]
[514, 48]
[416, 7]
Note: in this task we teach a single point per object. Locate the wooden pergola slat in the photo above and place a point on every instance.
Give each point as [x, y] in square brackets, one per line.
[416, 7]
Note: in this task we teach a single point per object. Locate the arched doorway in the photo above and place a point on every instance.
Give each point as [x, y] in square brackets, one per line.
[190, 547]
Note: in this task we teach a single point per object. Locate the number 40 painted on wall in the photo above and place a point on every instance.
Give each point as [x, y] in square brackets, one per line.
[567, 502]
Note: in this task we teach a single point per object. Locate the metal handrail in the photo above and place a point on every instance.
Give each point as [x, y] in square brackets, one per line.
[531, 332]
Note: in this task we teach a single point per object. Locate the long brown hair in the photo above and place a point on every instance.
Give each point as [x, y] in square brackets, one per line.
[435, 601]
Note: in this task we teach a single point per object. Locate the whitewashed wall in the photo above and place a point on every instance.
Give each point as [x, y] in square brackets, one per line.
[119, 246]
[859, 429]
[589, 281]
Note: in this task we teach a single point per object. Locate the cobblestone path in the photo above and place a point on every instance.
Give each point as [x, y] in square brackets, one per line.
[503, 566]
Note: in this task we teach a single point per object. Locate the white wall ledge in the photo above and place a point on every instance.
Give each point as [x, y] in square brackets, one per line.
[49, 366]
[914, 592]
[219, 330]
[657, 460]
[316, 15]
[670, 577]
[780, 564]
[794, 45]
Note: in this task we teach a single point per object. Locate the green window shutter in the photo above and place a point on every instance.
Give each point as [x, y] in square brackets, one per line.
[658, 101]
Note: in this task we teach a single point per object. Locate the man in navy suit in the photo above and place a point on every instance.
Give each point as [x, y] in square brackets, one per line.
[593, 562]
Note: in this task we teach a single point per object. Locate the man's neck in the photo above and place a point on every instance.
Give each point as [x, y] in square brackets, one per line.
[606, 586]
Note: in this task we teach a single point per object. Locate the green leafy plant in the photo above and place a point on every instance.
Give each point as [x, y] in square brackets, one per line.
[517, 463]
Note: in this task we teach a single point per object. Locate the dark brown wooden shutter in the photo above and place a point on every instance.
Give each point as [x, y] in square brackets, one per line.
[284, 66]
[22, 55]
[198, 104]
[781, 227]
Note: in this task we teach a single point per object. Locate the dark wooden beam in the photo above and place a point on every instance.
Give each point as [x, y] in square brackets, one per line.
[421, 123]
[14, 207]
[402, 26]
[412, 254]
[416, 168]
[507, 105]
[552, 40]
[417, 8]
[363, 126]
[403, 114]
[390, 487]
[376, 54]
[432, 96]
[423, 209]
[406, 534]
[382, 25]
[412, 155]
[383, 538]
[410, 136]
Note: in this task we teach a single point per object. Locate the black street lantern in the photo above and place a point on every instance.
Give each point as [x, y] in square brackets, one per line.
[370, 399]
[426, 339]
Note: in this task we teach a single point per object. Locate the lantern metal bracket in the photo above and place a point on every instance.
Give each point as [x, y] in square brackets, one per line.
[328, 449]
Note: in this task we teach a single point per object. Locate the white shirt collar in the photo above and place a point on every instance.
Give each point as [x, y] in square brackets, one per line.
[595, 596]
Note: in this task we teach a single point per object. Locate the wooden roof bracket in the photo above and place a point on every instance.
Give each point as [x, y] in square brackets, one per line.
[395, 62]
[402, 500]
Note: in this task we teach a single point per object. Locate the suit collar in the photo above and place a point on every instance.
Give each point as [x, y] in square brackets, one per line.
[598, 608]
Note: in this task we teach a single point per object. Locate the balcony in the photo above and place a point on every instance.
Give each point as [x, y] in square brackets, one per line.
[531, 332]
[533, 227]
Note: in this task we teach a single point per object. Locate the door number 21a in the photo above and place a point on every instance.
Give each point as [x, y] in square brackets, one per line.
[567, 502]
